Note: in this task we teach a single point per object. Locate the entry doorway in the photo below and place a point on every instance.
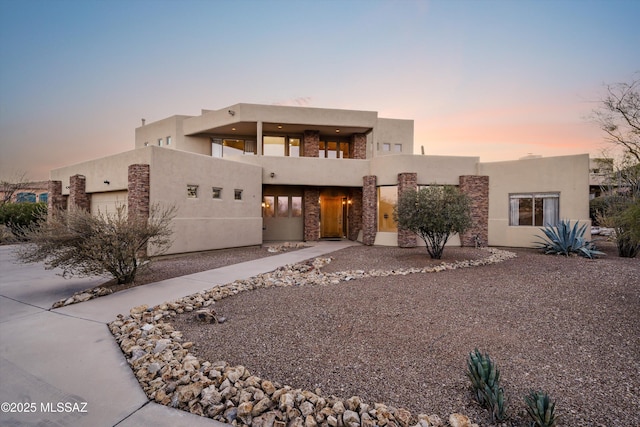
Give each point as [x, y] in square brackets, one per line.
[334, 214]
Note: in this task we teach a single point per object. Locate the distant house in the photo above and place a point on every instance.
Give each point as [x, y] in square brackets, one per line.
[24, 192]
[249, 173]
[601, 177]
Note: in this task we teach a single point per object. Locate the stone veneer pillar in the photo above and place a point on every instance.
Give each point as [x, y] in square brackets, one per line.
[369, 209]
[78, 197]
[407, 181]
[311, 202]
[358, 146]
[138, 191]
[477, 188]
[355, 214]
[311, 143]
[55, 199]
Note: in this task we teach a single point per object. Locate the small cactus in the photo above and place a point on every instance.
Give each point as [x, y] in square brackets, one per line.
[485, 380]
[540, 408]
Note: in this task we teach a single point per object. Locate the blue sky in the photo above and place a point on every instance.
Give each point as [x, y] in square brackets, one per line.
[495, 79]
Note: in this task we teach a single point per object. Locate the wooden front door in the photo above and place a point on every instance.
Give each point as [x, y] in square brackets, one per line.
[331, 217]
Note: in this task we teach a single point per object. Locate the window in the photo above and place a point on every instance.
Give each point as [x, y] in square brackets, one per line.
[26, 198]
[192, 191]
[159, 142]
[281, 146]
[216, 192]
[296, 206]
[224, 147]
[283, 206]
[387, 199]
[397, 148]
[334, 150]
[43, 197]
[146, 144]
[237, 194]
[267, 206]
[538, 210]
[386, 147]
[168, 140]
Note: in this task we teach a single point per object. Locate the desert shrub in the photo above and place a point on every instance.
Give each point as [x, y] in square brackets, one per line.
[82, 244]
[541, 409]
[433, 213]
[623, 215]
[19, 216]
[485, 381]
[567, 240]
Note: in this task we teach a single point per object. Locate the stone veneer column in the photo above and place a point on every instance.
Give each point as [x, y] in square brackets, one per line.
[358, 146]
[355, 213]
[138, 191]
[477, 188]
[369, 209]
[311, 202]
[311, 143]
[407, 181]
[78, 197]
[55, 199]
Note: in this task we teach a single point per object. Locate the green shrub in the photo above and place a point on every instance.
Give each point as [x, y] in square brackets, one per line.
[19, 216]
[541, 408]
[485, 381]
[566, 240]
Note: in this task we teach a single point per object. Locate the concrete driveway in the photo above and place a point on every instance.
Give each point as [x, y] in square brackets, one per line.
[63, 368]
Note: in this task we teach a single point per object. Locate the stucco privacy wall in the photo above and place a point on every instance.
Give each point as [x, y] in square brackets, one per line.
[444, 170]
[567, 175]
[394, 131]
[205, 223]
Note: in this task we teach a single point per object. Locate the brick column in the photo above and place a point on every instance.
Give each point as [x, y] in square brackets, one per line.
[78, 197]
[355, 213]
[369, 209]
[55, 199]
[358, 146]
[311, 202]
[407, 181]
[138, 191]
[477, 188]
[311, 143]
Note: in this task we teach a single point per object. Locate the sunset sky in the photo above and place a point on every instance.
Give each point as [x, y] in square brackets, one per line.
[495, 79]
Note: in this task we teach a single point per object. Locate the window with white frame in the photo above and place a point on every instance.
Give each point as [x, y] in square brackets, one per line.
[168, 140]
[534, 209]
[192, 191]
[386, 146]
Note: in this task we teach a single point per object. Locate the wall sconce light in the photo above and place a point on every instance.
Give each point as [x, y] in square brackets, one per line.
[272, 174]
[231, 112]
[106, 181]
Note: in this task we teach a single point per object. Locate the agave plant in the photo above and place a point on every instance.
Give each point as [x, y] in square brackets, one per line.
[566, 240]
[485, 380]
[540, 408]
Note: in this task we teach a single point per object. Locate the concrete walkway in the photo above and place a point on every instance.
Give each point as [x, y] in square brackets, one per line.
[63, 368]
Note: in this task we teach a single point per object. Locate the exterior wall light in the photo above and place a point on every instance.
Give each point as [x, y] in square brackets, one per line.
[106, 181]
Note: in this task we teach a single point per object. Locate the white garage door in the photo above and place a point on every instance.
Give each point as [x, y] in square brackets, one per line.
[106, 203]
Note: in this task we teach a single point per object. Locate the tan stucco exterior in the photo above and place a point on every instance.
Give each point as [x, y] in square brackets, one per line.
[205, 222]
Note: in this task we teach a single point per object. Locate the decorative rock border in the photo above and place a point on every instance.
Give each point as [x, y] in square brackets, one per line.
[82, 296]
[172, 376]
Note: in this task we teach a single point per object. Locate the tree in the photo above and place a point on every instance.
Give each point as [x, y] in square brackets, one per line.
[433, 213]
[10, 187]
[618, 115]
[84, 245]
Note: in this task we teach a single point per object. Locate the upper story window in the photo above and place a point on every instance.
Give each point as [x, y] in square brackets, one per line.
[397, 148]
[216, 192]
[168, 140]
[159, 142]
[221, 147]
[237, 194]
[386, 147]
[334, 150]
[532, 209]
[288, 146]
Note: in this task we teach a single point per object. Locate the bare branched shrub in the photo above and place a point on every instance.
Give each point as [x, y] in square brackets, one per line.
[84, 245]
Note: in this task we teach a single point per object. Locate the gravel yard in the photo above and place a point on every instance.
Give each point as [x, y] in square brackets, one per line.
[568, 326]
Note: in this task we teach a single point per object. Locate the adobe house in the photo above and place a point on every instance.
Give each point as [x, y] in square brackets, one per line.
[250, 173]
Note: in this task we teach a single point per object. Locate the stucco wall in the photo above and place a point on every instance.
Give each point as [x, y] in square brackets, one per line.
[171, 126]
[567, 175]
[205, 223]
[430, 169]
[393, 131]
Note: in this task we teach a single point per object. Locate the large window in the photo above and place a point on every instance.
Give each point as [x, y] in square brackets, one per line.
[387, 199]
[228, 147]
[281, 146]
[282, 206]
[334, 150]
[534, 209]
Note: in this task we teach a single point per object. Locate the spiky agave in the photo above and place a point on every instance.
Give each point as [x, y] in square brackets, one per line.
[541, 409]
[485, 380]
[564, 239]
